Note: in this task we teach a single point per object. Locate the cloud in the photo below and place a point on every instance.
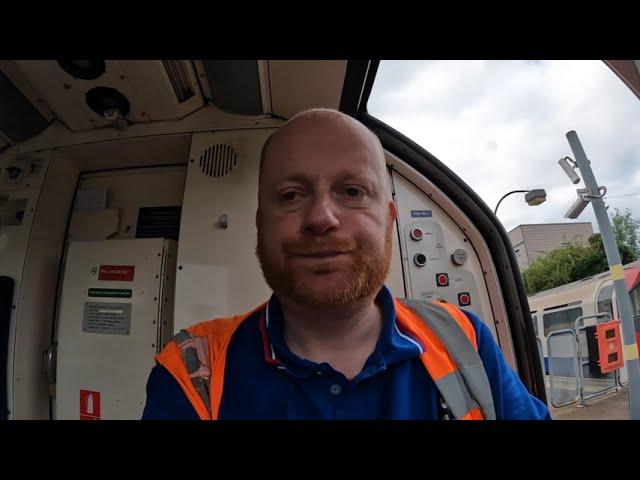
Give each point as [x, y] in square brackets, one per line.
[501, 126]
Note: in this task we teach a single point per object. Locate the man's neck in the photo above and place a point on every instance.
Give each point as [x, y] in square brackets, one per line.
[343, 336]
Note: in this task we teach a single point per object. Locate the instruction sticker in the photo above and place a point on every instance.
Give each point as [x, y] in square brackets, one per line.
[107, 318]
[110, 292]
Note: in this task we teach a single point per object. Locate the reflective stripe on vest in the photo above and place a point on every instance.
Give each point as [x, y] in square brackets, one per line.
[198, 355]
[214, 337]
[450, 356]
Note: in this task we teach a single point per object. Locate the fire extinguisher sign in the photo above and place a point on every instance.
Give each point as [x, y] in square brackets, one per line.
[89, 405]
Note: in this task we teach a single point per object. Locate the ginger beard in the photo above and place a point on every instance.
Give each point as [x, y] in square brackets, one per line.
[327, 283]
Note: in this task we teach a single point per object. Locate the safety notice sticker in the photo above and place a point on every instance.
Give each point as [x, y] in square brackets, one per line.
[118, 273]
[107, 318]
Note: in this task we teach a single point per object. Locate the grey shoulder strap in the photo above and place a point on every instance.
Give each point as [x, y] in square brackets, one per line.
[468, 387]
[195, 354]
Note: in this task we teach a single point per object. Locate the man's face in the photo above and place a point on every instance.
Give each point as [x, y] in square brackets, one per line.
[325, 219]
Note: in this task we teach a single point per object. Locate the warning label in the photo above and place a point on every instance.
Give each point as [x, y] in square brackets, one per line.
[107, 318]
[119, 273]
[89, 405]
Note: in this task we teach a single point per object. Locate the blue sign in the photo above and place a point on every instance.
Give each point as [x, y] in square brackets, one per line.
[420, 213]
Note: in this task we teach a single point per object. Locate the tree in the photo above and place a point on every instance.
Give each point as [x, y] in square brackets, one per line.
[627, 231]
[558, 267]
[596, 261]
[577, 261]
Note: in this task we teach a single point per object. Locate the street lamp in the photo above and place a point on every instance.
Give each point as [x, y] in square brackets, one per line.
[532, 197]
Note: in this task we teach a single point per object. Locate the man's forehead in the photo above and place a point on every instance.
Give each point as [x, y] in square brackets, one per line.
[311, 131]
[322, 144]
[332, 162]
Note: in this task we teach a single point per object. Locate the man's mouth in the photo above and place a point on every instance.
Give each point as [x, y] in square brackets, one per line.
[326, 254]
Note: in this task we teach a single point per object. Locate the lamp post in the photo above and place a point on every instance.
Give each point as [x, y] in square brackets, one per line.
[593, 194]
[532, 197]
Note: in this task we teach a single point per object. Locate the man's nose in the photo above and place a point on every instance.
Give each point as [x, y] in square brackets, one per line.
[321, 215]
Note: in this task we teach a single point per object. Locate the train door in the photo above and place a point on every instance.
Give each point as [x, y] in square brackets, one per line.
[633, 296]
[428, 193]
[117, 291]
[535, 321]
[605, 301]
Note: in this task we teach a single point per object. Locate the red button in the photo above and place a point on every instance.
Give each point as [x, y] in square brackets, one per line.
[442, 279]
[416, 234]
[464, 299]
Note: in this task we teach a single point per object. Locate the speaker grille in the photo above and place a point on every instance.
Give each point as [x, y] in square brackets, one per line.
[218, 160]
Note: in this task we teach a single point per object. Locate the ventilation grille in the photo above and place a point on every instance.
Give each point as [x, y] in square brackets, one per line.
[218, 160]
[179, 78]
[158, 222]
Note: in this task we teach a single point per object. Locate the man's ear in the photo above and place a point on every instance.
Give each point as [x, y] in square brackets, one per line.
[393, 211]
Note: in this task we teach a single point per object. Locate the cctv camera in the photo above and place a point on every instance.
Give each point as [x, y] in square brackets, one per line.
[578, 206]
[569, 170]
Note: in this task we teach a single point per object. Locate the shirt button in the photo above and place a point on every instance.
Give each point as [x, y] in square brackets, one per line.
[335, 389]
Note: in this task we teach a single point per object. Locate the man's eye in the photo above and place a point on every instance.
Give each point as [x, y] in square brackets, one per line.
[289, 196]
[353, 192]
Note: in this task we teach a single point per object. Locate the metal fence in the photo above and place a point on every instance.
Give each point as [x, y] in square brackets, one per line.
[572, 377]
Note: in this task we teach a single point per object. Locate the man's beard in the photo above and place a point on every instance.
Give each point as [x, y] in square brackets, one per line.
[363, 278]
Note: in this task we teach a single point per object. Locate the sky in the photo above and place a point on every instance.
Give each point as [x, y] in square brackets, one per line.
[501, 126]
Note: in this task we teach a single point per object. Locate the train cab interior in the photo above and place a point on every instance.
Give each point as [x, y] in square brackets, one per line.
[127, 212]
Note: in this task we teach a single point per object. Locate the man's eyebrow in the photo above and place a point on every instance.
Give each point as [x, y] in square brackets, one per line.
[357, 177]
[340, 177]
[353, 176]
[297, 178]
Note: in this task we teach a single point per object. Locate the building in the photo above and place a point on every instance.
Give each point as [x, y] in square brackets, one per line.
[532, 240]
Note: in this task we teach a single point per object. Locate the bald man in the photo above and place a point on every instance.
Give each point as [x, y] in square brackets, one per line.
[332, 342]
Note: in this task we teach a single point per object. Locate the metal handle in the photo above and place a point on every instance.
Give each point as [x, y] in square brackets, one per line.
[48, 366]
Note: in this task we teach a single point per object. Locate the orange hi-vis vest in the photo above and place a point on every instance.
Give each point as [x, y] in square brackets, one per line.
[196, 358]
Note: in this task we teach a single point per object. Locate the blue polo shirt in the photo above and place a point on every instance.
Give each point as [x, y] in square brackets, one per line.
[266, 380]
